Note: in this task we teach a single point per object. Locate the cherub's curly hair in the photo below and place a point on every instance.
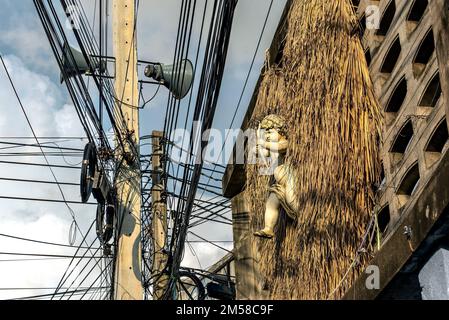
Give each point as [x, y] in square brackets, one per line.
[273, 121]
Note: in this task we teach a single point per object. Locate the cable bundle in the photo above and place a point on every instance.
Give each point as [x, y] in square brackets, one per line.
[205, 106]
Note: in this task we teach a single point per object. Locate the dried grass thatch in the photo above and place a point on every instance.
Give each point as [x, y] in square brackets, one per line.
[323, 88]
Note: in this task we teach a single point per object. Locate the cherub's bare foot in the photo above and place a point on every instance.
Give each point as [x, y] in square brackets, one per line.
[264, 233]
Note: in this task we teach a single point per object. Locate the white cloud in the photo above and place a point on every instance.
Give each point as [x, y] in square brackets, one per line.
[40, 97]
[67, 122]
[43, 102]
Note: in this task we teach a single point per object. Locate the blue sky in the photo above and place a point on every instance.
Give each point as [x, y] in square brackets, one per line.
[33, 67]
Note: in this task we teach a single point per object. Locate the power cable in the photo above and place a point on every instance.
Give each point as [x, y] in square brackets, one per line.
[39, 241]
[45, 200]
[212, 243]
[72, 213]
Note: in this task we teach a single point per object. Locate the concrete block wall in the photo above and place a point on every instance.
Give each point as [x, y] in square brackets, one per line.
[400, 167]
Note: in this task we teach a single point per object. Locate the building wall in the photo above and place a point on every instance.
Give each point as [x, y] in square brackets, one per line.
[403, 151]
[248, 281]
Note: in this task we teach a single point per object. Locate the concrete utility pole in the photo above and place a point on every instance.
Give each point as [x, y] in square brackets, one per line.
[159, 222]
[128, 280]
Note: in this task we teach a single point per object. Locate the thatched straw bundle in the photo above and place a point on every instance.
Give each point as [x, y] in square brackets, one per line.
[323, 88]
